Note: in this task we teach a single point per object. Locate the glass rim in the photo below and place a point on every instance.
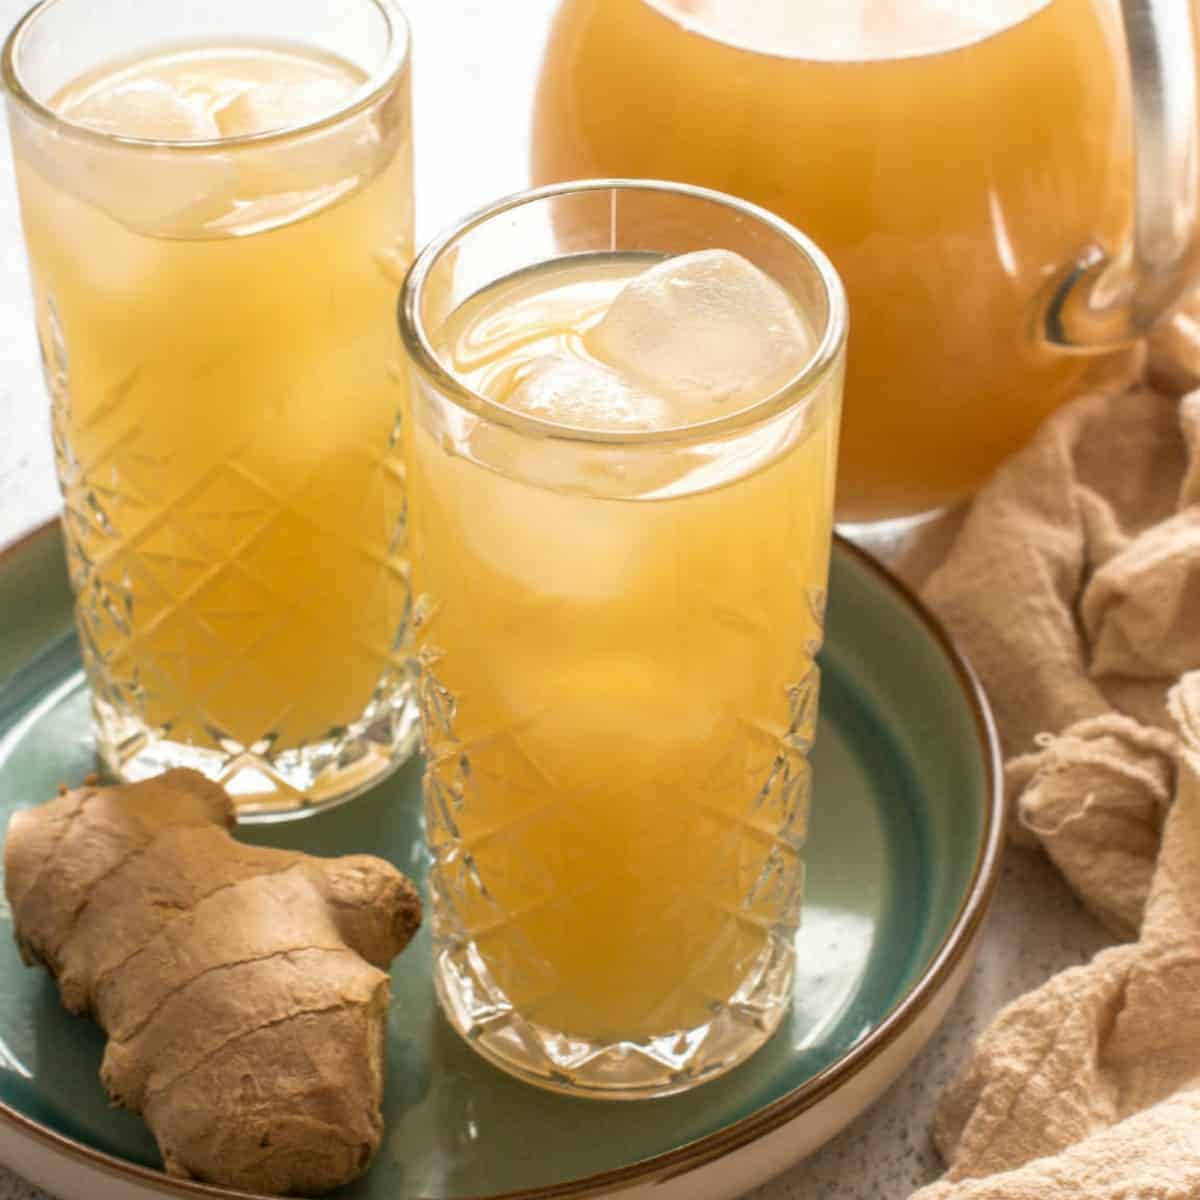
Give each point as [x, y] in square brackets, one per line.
[799, 387]
[376, 86]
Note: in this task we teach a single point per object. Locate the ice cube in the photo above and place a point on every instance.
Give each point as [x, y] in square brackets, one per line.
[574, 391]
[160, 192]
[282, 180]
[708, 332]
[581, 393]
[266, 107]
[142, 108]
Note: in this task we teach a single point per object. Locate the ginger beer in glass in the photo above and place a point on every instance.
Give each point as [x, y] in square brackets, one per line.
[218, 216]
[619, 578]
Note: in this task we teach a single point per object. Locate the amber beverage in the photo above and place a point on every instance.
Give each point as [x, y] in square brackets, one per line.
[619, 594]
[217, 229]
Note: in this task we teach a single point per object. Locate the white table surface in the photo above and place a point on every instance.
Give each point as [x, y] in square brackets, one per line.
[475, 65]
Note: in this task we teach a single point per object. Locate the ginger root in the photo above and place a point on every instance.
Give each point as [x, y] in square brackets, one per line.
[243, 990]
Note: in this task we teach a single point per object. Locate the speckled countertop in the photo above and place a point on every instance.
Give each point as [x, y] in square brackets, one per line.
[474, 70]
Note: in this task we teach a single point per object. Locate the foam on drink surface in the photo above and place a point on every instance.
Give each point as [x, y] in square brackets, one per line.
[850, 29]
[625, 343]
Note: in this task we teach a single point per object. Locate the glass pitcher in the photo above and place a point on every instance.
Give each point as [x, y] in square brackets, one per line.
[1007, 187]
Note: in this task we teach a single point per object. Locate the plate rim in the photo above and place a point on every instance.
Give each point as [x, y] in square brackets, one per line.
[671, 1164]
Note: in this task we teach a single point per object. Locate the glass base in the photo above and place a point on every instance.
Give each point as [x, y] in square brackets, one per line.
[276, 786]
[639, 1069]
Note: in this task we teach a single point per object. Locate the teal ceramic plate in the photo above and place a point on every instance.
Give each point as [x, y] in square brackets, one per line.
[903, 854]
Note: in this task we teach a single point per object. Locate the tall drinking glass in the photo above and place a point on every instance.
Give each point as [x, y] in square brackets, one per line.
[616, 632]
[217, 207]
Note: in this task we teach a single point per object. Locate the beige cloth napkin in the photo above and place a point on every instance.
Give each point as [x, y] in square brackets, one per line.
[1073, 583]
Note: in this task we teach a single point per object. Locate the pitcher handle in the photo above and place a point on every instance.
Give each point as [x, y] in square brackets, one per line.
[1103, 302]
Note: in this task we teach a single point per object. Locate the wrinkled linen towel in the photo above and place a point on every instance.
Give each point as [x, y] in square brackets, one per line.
[1072, 582]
